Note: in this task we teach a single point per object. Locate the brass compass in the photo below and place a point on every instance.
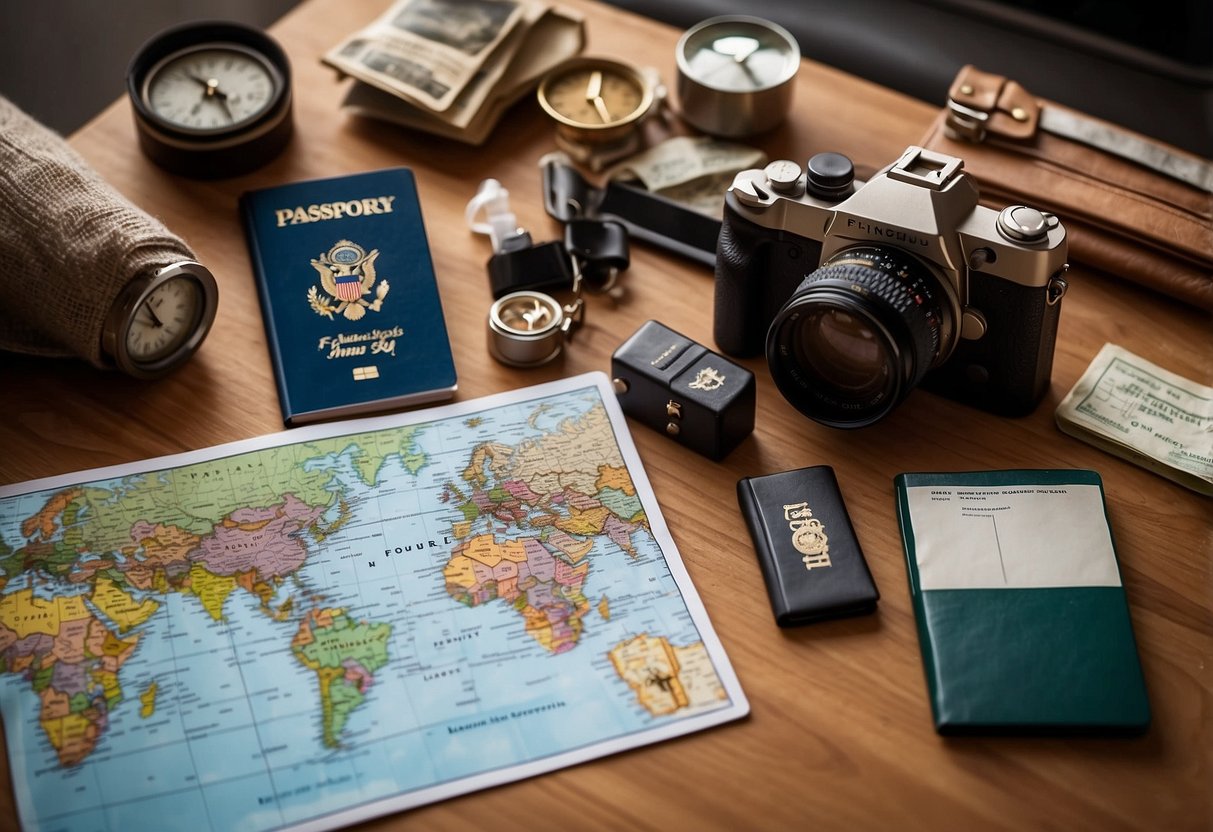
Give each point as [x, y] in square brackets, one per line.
[596, 101]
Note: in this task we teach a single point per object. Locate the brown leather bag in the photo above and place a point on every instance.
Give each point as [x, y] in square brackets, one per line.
[1122, 213]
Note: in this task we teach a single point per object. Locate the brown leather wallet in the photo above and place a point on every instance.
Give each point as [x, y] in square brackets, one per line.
[1132, 206]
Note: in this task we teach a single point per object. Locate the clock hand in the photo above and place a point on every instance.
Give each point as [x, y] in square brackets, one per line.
[601, 107]
[156, 322]
[737, 47]
[212, 87]
[743, 54]
[212, 91]
[594, 88]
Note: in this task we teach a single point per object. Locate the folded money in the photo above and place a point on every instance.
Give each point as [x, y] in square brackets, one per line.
[423, 66]
[1145, 414]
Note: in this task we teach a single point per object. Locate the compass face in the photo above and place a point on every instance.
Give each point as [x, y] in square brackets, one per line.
[210, 88]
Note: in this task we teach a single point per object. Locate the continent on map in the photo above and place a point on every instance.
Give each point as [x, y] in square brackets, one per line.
[540, 584]
[263, 539]
[97, 561]
[344, 654]
[72, 660]
[666, 678]
[529, 516]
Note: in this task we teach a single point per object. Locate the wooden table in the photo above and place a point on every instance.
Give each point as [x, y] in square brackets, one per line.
[840, 735]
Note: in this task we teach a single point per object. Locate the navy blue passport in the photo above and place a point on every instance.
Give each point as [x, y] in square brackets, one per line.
[351, 307]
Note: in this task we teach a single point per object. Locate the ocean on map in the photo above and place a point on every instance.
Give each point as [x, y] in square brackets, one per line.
[361, 673]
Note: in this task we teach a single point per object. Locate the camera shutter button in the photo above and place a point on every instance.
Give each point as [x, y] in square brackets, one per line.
[830, 176]
[1022, 224]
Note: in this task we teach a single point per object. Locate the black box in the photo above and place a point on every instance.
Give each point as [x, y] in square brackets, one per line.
[683, 389]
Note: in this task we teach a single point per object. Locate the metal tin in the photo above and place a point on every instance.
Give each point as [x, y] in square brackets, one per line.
[729, 101]
[526, 329]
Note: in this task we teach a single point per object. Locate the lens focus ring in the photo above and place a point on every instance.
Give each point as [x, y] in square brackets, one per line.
[906, 292]
[856, 336]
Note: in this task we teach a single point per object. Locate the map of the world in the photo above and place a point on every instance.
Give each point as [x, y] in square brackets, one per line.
[340, 621]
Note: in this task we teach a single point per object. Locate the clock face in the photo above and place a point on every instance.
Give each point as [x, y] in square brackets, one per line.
[165, 320]
[210, 88]
[596, 96]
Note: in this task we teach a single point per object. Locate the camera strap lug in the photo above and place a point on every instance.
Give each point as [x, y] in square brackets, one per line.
[1058, 285]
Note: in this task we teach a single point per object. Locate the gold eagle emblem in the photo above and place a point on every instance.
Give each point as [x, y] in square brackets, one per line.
[347, 274]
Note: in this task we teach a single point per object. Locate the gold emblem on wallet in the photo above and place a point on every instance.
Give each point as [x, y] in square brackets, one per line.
[808, 535]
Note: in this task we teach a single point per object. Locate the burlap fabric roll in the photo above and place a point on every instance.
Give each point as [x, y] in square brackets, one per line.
[68, 243]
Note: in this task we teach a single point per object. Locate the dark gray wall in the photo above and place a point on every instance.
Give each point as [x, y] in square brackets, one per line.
[63, 61]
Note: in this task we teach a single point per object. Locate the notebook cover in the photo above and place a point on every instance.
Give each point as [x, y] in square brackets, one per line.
[806, 546]
[348, 295]
[1022, 617]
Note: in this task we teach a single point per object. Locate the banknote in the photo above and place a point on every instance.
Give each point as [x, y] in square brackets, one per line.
[431, 51]
[556, 35]
[692, 171]
[1146, 414]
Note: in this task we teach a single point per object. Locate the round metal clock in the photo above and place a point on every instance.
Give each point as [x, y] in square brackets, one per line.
[160, 319]
[211, 99]
[596, 100]
[735, 75]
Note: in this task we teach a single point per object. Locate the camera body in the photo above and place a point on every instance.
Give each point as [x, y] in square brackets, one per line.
[859, 293]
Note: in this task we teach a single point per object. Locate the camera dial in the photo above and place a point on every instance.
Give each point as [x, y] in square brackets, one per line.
[857, 335]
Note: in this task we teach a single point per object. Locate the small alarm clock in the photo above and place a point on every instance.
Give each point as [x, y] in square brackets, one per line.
[160, 319]
[211, 99]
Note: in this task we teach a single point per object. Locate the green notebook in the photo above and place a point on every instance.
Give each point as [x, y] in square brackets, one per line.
[1022, 616]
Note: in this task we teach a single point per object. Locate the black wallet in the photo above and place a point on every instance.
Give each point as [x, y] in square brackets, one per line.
[810, 557]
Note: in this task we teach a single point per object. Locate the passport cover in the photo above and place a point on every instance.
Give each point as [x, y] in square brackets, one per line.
[1023, 621]
[806, 546]
[348, 295]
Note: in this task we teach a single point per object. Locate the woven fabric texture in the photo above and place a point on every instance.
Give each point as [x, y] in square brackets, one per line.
[68, 243]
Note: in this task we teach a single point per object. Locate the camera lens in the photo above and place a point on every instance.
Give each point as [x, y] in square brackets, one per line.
[856, 336]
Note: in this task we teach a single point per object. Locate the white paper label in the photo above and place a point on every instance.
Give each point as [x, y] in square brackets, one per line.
[1011, 536]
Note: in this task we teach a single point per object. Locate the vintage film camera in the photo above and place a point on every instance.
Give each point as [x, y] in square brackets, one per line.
[860, 293]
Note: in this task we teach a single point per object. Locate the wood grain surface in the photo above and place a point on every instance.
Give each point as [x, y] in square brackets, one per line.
[840, 736]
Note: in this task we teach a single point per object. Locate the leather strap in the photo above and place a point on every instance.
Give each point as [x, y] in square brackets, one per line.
[647, 216]
[983, 104]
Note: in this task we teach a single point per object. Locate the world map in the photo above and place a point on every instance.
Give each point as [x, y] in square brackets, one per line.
[341, 621]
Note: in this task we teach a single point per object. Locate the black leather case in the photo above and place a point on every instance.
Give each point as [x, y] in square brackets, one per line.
[806, 546]
[695, 396]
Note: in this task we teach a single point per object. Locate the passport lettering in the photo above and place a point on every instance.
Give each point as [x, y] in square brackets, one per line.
[355, 344]
[319, 212]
